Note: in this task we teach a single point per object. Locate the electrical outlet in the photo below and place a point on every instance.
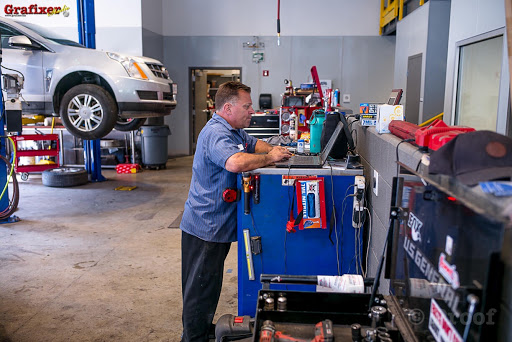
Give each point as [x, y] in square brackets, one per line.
[346, 98]
[375, 182]
[358, 206]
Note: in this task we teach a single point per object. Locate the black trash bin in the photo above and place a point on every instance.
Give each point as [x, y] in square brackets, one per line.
[154, 146]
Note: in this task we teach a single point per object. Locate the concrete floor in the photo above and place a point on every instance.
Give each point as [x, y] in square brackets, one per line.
[93, 264]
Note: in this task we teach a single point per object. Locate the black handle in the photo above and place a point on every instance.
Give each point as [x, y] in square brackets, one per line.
[246, 181]
[256, 190]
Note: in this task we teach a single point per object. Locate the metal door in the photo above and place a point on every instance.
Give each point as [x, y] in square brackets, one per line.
[413, 89]
[200, 116]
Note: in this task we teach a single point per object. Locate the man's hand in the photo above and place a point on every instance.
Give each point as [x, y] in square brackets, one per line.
[278, 153]
[242, 161]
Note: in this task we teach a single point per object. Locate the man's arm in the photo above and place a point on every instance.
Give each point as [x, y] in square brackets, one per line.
[241, 161]
[262, 147]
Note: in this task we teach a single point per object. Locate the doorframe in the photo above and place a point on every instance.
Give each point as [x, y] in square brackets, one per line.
[503, 120]
[191, 99]
[420, 99]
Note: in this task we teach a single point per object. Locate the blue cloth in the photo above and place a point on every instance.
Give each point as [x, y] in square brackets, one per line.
[206, 215]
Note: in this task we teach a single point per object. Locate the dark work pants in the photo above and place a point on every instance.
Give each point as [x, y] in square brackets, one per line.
[202, 269]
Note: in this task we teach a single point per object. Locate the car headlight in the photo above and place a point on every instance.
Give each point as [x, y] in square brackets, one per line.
[132, 67]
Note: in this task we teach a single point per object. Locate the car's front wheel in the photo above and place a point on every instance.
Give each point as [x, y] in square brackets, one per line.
[126, 125]
[88, 111]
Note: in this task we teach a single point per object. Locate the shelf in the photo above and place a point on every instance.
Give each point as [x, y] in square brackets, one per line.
[35, 168]
[35, 153]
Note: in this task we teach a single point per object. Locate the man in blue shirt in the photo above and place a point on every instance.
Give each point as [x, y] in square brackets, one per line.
[209, 224]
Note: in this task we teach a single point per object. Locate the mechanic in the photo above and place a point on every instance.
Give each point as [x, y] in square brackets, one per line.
[209, 224]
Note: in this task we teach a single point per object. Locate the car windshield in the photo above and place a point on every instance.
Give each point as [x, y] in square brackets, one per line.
[48, 34]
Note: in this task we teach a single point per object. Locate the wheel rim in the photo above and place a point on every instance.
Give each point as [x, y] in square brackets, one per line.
[85, 112]
[66, 169]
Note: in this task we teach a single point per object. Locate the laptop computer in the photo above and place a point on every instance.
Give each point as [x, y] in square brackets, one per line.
[312, 161]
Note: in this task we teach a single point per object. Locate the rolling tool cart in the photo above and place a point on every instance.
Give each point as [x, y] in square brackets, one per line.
[273, 238]
[448, 260]
[296, 316]
[43, 145]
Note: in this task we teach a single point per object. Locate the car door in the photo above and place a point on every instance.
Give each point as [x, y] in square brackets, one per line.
[28, 63]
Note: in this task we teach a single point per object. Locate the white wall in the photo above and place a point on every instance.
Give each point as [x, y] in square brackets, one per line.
[258, 18]
[67, 26]
[468, 18]
[119, 26]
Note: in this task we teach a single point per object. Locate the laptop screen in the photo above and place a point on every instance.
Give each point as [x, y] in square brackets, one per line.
[327, 149]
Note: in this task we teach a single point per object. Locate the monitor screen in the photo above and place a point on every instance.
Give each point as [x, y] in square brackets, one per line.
[395, 97]
[293, 101]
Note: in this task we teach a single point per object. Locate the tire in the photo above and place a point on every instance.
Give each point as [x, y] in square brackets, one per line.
[88, 111]
[126, 125]
[65, 177]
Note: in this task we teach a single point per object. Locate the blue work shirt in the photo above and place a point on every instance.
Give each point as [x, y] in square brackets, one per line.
[206, 215]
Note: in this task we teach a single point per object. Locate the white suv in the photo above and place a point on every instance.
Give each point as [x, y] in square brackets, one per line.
[92, 91]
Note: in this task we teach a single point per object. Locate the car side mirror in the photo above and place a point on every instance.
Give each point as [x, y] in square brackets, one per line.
[21, 42]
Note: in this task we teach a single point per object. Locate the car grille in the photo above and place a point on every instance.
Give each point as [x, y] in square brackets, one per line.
[158, 70]
[147, 95]
[167, 96]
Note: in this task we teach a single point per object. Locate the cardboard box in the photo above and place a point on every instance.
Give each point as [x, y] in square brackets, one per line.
[128, 168]
[387, 113]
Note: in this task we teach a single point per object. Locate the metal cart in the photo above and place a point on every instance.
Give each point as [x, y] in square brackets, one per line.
[47, 145]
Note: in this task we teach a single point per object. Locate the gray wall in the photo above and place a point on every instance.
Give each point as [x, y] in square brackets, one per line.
[435, 59]
[378, 152]
[411, 39]
[359, 66]
[424, 31]
[153, 40]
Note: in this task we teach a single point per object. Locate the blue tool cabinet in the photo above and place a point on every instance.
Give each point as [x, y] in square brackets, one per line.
[305, 252]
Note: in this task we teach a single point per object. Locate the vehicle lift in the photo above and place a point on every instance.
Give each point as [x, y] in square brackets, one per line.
[86, 36]
[4, 200]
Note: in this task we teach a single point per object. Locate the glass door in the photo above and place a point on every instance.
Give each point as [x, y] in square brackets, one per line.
[478, 86]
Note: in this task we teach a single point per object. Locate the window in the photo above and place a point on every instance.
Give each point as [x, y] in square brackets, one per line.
[479, 96]
[8, 32]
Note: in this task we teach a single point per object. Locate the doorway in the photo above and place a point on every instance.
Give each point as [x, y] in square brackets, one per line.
[204, 83]
[413, 89]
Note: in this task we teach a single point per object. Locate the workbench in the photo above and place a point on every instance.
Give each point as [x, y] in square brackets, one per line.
[307, 251]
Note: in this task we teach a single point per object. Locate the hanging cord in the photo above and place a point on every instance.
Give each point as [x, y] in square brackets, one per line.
[13, 202]
[278, 22]
[369, 239]
[397, 160]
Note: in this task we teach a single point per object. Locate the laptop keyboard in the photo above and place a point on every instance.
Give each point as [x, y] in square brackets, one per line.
[304, 160]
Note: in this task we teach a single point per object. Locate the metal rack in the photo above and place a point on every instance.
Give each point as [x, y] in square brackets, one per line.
[52, 150]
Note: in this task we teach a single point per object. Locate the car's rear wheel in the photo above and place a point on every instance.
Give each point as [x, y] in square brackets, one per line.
[126, 125]
[88, 111]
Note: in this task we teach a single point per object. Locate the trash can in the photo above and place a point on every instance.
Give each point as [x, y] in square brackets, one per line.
[154, 145]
